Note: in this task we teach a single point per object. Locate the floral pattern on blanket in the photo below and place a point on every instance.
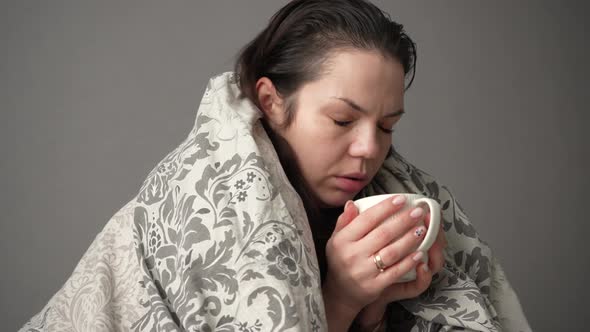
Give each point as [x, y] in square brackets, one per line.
[217, 240]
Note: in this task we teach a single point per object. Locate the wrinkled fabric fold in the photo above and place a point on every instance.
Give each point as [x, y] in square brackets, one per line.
[217, 239]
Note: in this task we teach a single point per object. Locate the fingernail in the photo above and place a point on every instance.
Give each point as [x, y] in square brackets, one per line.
[418, 256]
[419, 231]
[425, 268]
[399, 200]
[416, 213]
[346, 205]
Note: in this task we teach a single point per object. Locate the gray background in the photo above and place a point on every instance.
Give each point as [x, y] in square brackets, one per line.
[93, 95]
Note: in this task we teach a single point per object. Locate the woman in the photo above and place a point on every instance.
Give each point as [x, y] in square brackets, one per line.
[331, 93]
[241, 226]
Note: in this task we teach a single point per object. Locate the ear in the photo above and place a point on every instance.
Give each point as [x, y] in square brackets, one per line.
[270, 102]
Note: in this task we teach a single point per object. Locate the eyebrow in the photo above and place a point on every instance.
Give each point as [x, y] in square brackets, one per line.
[356, 107]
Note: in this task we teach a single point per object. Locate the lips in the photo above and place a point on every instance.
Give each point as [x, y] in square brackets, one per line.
[355, 176]
[352, 182]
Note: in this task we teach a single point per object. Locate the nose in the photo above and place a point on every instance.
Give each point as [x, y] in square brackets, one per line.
[365, 145]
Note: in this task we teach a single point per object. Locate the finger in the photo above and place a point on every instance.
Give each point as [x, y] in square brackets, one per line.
[395, 272]
[436, 253]
[427, 222]
[441, 239]
[411, 289]
[423, 279]
[395, 251]
[436, 260]
[427, 218]
[441, 236]
[390, 230]
[373, 216]
[349, 213]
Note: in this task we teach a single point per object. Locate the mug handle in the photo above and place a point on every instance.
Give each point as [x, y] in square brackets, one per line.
[434, 225]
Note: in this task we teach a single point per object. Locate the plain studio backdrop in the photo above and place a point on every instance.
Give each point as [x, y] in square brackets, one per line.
[94, 94]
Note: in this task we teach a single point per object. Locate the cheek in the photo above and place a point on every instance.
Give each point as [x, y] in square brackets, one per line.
[323, 150]
[386, 145]
[317, 148]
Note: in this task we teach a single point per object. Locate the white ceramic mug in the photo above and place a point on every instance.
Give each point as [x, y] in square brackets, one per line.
[412, 201]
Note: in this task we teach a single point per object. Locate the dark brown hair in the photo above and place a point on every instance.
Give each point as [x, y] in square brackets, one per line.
[295, 47]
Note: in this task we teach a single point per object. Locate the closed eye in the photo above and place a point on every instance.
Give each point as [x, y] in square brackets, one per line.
[342, 123]
[385, 130]
[346, 123]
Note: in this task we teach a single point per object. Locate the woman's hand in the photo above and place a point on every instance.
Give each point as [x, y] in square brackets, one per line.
[373, 313]
[353, 279]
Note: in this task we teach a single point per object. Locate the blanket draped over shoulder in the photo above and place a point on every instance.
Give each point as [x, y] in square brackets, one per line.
[217, 239]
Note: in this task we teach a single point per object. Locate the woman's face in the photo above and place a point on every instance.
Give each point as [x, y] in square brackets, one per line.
[341, 130]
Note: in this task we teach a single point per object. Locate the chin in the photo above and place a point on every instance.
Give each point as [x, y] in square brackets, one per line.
[336, 199]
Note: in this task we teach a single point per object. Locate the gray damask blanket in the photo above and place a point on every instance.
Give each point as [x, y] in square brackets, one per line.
[217, 240]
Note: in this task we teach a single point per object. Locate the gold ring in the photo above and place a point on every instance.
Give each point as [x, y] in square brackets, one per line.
[379, 263]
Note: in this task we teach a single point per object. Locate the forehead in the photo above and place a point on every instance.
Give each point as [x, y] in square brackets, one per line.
[369, 79]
